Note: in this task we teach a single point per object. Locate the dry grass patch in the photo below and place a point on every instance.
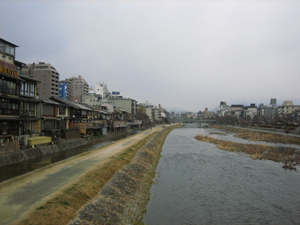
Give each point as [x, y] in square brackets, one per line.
[288, 156]
[123, 200]
[260, 136]
[64, 207]
[218, 133]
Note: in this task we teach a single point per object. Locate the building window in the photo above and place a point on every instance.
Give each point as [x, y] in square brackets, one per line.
[4, 128]
[4, 47]
[27, 89]
[9, 107]
[28, 109]
[62, 111]
[8, 87]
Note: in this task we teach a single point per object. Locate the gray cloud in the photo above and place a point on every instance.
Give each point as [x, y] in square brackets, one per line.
[187, 54]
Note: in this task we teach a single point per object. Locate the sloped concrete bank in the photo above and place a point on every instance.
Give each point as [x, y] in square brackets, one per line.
[123, 199]
[31, 153]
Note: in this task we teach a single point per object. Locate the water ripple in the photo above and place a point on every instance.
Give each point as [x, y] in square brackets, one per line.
[200, 184]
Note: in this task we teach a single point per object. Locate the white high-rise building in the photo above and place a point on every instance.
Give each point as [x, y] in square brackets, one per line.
[100, 89]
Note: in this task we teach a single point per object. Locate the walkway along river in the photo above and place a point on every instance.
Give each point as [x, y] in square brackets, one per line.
[197, 183]
[22, 167]
[11, 171]
[22, 196]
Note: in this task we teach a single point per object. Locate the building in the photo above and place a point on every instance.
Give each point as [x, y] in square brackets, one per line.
[63, 90]
[159, 115]
[207, 114]
[77, 86]
[273, 102]
[47, 75]
[99, 95]
[250, 111]
[287, 108]
[100, 90]
[18, 102]
[268, 112]
[237, 110]
[150, 112]
[128, 104]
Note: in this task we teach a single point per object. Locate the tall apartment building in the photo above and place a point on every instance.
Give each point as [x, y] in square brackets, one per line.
[77, 86]
[46, 74]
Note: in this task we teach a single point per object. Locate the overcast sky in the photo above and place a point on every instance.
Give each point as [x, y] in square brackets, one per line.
[180, 54]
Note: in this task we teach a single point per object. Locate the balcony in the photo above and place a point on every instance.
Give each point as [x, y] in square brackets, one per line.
[11, 112]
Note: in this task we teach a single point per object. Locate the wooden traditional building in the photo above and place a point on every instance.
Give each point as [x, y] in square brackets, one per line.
[18, 102]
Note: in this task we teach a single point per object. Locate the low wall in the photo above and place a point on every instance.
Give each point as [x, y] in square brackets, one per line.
[6, 148]
[123, 199]
[31, 153]
[13, 156]
[67, 134]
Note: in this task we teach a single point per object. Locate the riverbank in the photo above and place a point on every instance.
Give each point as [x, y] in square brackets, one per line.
[48, 149]
[55, 193]
[124, 198]
[259, 135]
[289, 157]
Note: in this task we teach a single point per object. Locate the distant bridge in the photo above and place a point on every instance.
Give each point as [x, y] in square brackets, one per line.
[192, 121]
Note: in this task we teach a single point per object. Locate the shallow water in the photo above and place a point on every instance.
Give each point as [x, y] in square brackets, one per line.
[196, 183]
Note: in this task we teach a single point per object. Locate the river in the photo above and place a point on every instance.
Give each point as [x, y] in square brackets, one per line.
[196, 183]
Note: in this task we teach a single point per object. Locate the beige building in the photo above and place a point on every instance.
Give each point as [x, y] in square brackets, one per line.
[77, 86]
[287, 108]
[207, 114]
[128, 104]
[47, 75]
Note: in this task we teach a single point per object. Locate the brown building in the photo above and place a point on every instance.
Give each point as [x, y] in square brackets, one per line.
[77, 86]
[18, 103]
[46, 74]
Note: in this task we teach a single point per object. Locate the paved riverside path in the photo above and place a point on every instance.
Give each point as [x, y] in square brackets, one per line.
[24, 193]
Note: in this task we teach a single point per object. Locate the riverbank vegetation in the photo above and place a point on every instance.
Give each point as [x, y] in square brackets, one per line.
[63, 208]
[288, 156]
[259, 136]
[124, 198]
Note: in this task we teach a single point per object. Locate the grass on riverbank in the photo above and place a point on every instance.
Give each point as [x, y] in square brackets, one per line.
[64, 207]
[288, 156]
[124, 199]
[259, 136]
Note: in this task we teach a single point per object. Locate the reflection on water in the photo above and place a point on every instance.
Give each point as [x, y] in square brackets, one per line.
[20, 168]
[197, 183]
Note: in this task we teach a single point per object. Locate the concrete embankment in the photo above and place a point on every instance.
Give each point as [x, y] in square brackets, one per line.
[39, 151]
[31, 153]
[124, 197]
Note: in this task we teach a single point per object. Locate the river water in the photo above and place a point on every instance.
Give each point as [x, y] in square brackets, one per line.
[196, 183]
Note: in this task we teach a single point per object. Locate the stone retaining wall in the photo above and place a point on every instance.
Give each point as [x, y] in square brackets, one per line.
[31, 153]
[124, 197]
[15, 156]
